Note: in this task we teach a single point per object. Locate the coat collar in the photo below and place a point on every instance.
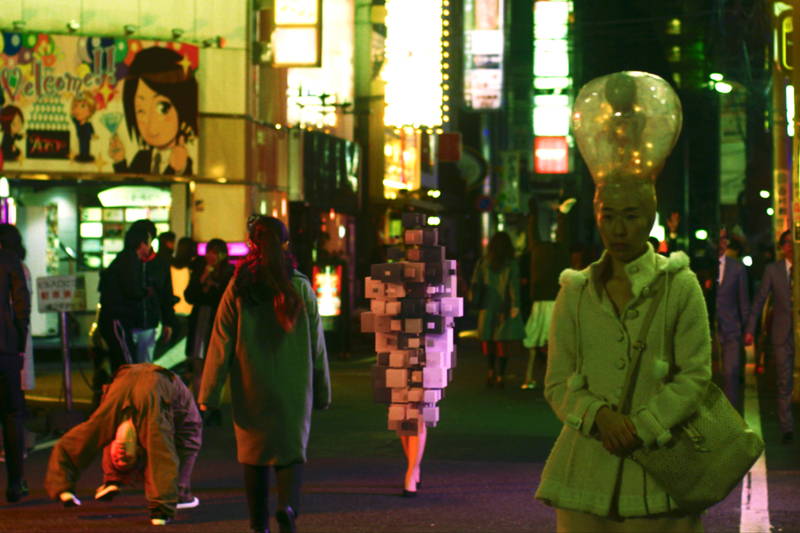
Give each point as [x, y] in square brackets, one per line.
[642, 271]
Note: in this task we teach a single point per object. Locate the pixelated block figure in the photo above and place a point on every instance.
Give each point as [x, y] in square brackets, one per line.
[412, 311]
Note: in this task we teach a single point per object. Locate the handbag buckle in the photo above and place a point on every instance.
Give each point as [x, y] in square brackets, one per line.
[697, 439]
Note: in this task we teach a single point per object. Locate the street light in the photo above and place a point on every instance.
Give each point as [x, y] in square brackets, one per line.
[701, 235]
[723, 87]
[763, 193]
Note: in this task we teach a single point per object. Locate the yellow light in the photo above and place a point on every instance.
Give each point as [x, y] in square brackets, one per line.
[445, 43]
[446, 86]
[445, 54]
[446, 22]
[446, 33]
[439, 131]
[445, 108]
[387, 150]
[445, 66]
[446, 12]
[434, 221]
[277, 126]
[446, 118]
[445, 76]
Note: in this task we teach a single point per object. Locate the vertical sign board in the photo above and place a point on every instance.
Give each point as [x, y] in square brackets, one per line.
[483, 53]
[297, 37]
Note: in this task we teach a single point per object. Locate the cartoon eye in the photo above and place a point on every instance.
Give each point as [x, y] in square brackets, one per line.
[163, 107]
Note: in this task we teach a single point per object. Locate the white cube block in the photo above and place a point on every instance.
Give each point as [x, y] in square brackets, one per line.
[432, 307]
[430, 415]
[396, 378]
[397, 412]
[383, 324]
[432, 396]
[395, 290]
[412, 325]
[393, 307]
[373, 288]
[399, 395]
[416, 395]
[385, 342]
[434, 359]
[398, 359]
[367, 322]
[433, 378]
[452, 306]
[396, 324]
[414, 342]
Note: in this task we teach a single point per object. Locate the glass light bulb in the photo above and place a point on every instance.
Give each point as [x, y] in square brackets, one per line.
[626, 124]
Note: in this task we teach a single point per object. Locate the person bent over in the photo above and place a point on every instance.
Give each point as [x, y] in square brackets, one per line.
[148, 427]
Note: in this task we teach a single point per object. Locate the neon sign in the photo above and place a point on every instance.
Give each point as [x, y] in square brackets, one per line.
[327, 284]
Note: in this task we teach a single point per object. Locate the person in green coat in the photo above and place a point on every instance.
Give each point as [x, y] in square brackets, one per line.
[268, 339]
[494, 290]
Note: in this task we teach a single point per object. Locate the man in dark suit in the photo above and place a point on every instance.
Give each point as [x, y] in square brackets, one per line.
[732, 311]
[777, 280]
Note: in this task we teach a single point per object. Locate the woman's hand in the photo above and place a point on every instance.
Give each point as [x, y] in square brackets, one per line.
[617, 432]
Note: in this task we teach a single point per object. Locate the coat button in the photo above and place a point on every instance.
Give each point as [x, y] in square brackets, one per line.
[632, 313]
[620, 363]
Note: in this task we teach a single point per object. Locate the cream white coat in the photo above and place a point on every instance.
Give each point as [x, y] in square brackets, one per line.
[589, 352]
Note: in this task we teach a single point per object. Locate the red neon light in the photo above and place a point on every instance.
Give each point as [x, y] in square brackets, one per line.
[551, 155]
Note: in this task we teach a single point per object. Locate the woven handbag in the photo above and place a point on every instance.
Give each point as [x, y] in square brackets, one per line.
[709, 453]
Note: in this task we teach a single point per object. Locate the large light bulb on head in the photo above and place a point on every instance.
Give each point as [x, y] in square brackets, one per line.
[626, 124]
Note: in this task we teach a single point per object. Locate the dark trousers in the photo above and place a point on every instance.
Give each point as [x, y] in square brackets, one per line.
[731, 353]
[256, 484]
[784, 368]
[12, 415]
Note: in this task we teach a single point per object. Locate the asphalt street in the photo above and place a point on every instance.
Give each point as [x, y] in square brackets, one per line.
[481, 467]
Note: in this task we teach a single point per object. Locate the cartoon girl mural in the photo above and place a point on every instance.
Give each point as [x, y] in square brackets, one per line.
[11, 122]
[160, 100]
[83, 107]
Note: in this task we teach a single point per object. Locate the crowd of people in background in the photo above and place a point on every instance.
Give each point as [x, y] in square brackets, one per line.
[233, 316]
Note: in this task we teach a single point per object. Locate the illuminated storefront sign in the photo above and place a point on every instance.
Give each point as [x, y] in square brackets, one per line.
[84, 104]
[402, 157]
[551, 155]
[296, 38]
[314, 95]
[327, 284]
[413, 71]
[552, 84]
[135, 195]
[483, 53]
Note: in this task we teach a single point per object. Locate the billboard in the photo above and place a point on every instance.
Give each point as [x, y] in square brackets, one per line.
[483, 53]
[97, 104]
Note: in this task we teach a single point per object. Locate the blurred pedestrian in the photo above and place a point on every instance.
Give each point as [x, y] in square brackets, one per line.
[123, 298]
[11, 240]
[14, 325]
[208, 281]
[146, 427]
[268, 336]
[159, 268]
[777, 282]
[589, 476]
[494, 290]
[180, 272]
[548, 260]
[732, 311]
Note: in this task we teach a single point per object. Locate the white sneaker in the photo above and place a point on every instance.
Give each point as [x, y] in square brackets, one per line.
[190, 503]
[106, 492]
[68, 499]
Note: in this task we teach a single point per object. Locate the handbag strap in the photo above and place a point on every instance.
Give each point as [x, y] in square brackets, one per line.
[638, 347]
